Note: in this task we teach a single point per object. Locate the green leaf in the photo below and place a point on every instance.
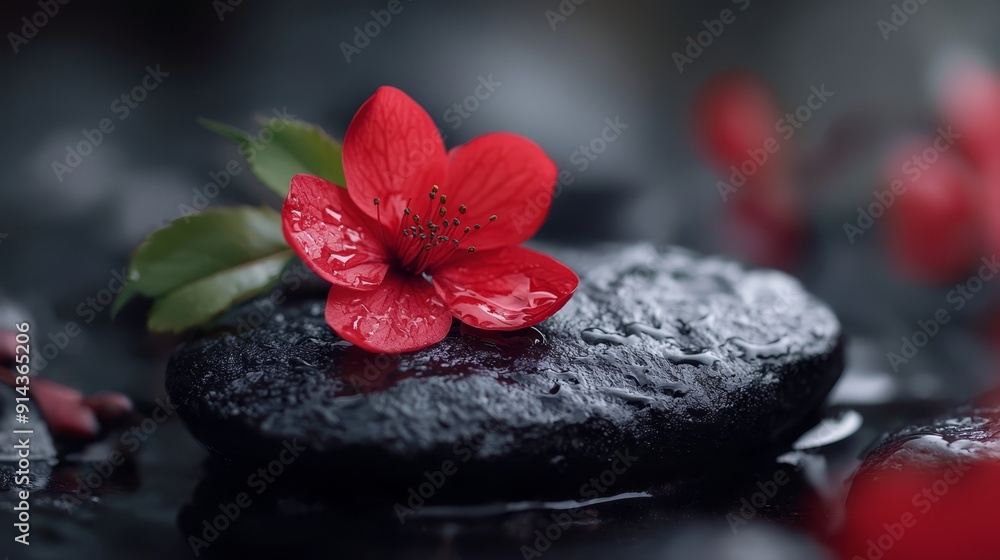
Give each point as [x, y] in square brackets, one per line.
[198, 302]
[122, 298]
[196, 246]
[199, 266]
[222, 129]
[284, 148]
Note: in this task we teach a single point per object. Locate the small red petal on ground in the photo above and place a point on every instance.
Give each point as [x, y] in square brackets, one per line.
[110, 407]
[61, 406]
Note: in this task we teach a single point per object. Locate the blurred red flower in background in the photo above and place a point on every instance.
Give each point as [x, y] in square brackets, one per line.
[943, 206]
[949, 215]
[933, 232]
[735, 124]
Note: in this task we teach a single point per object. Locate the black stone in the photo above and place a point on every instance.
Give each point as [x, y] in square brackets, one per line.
[942, 449]
[687, 364]
[964, 435]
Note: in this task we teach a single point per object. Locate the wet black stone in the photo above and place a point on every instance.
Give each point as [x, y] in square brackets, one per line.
[682, 363]
[964, 435]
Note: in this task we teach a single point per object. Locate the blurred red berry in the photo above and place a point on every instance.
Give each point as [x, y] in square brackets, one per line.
[933, 230]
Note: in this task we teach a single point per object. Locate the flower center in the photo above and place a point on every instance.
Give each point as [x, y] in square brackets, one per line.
[425, 241]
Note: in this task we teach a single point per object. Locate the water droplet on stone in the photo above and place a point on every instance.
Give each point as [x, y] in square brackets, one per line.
[627, 396]
[598, 336]
[752, 351]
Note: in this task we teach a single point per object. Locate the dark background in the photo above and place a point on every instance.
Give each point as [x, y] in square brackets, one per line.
[607, 59]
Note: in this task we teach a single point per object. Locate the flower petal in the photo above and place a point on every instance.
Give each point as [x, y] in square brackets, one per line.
[341, 244]
[62, 407]
[392, 151]
[508, 289]
[402, 315]
[502, 174]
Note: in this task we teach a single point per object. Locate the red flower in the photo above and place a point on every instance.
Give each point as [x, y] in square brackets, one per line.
[422, 234]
